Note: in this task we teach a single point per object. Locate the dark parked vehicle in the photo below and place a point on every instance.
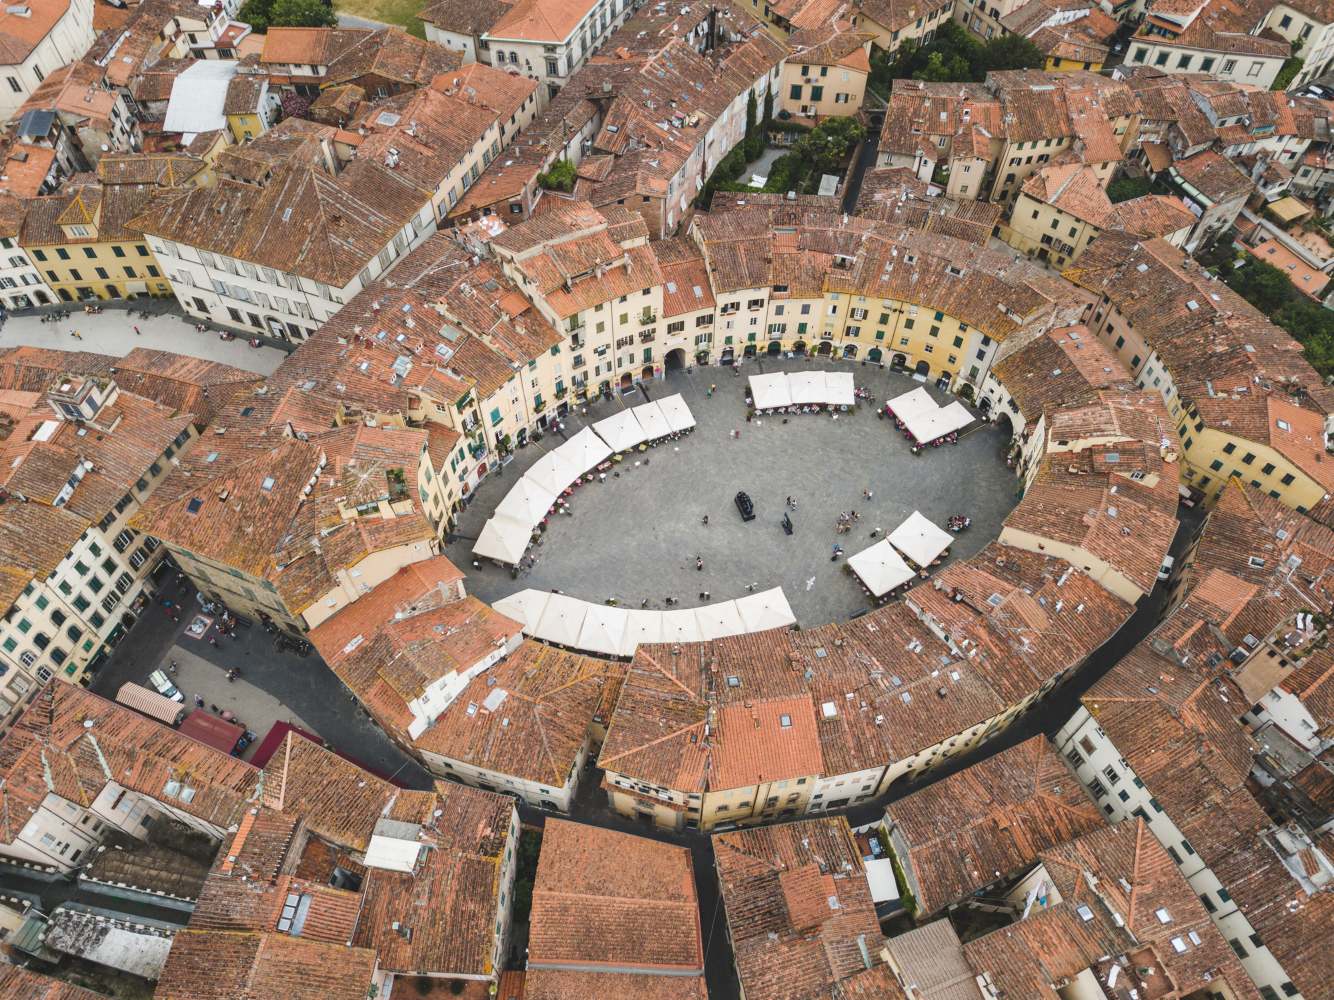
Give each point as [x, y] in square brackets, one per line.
[744, 505]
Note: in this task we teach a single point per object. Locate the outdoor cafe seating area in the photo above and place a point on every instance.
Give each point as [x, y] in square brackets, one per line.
[606, 630]
[890, 566]
[590, 454]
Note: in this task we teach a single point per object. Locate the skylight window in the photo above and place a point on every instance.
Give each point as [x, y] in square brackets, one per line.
[785, 721]
[194, 505]
[1163, 916]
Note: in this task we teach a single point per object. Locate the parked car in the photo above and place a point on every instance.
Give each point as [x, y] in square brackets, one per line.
[1165, 570]
[745, 506]
[162, 684]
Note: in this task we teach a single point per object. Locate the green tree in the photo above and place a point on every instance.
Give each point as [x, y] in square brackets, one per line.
[942, 68]
[1125, 188]
[265, 14]
[559, 178]
[1009, 52]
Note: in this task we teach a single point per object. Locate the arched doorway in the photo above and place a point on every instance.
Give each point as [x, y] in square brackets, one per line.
[701, 357]
[647, 373]
[627, 380]
[874, 355]
[923, 368]
[849, 350]
[675, 360]
[727, 357]
[984, 404]
[749, 352]
[799, 347]
[825, 348]
[774, 349]
[899, 362]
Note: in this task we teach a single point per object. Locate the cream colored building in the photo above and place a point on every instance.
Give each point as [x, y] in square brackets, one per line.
[825, 75]
[80, 572]
[40, 36]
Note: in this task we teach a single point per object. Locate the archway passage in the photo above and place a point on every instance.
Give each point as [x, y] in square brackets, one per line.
[627, 380]
[728, 356]
[799, 348]
[849, 350]
[874, 355]
[749, 352]
[647, 373]
[825, 348]
[774, 349]
[675, 360]
[900, 362]
[923, 368]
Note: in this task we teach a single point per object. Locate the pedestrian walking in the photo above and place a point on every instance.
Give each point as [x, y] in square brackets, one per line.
[644, 603]
[136, 331]
[699, 563]
[867, 494]
[706, 595]
[706, 520]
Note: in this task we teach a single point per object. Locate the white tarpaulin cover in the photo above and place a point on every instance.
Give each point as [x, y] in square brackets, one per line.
[583, 451]
[915, 403]
[919, 539]
[526, 502]
[525, 607]
[767, 609]
[199, 97]
[955, 417]
[716, 621]
[807, 388]
[621, 431]
[641, 627]
[503, 539]
[880, 568]
[652, 421]
[880, 877]
[562, 620]
[603, 630]
[680, 626]
[553, 472]
[770, 391]
[840, 390]
[677, 413]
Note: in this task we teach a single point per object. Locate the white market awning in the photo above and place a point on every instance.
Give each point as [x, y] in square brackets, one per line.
[621, 431]
[880, 568]
[553, 472]
[583, 451]
[717, 621]
[603, 630]
[840, 389]
[680, 626]
[526, 502]
[807, 388]
[677, 413]
[652, 421]
[562, 620]
[912, 404]
[770, 391]
[924, 419]
[525, 607]
[765, 610]
[919, 539]
[641, 628]
[503, 539]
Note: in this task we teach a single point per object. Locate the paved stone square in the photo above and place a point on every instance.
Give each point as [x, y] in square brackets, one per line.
[112, 332]
[637, 536]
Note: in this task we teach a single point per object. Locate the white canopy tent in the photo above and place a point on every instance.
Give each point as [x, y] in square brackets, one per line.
[603, 630]
[880, 568]
[562, 620]
[680, 626]
[583, 451]
[765, 610]
[526, 502]
[717, 621]
[919, 539]
[641, 628]
[840, 389]
[652, 421]
[677, 413]
[621, 431]
[503, 539]
[924, 419]
[807, 388]
[525, 607]
[770, 391]
[553, 472]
